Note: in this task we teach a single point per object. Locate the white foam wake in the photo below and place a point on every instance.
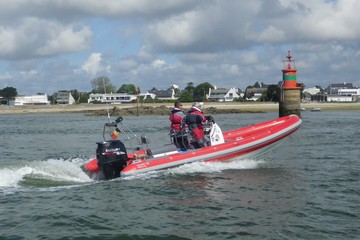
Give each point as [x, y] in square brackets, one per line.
[57, 170]
[201, 167]
[209, 167]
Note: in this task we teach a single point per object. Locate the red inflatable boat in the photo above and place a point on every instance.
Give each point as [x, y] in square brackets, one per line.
[113, 159]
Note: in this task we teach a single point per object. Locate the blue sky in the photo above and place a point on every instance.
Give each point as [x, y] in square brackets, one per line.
[51, 45]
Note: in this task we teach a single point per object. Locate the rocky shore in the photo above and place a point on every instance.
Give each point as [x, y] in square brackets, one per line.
[164, 108]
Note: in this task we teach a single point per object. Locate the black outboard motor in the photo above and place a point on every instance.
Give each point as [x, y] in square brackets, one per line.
[112, 157]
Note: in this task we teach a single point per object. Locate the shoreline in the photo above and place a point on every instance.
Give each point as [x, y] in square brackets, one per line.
[148, 108]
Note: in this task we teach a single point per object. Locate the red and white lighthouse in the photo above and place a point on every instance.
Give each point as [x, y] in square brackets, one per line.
[290, 90]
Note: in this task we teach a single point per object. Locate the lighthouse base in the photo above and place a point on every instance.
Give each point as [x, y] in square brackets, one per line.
[290, 102]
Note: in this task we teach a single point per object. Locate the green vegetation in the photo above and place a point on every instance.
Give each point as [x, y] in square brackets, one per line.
[102, 85]
[8, 93]
[127, 88]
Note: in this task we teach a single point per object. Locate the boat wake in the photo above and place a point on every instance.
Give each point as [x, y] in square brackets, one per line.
[43, 174]
[201, 167]
[211, 167]
[60, 173]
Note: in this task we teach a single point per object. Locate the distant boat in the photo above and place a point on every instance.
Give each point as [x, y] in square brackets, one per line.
[303, 109]
[316, 109]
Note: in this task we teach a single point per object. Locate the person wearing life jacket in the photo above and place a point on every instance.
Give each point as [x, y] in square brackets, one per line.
[195, 120]
[176, 117]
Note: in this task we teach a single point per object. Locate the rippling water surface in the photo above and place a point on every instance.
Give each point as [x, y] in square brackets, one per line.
[306, 188]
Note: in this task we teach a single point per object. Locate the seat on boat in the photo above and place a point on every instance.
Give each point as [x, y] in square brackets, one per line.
[162, 149]
[180, 139]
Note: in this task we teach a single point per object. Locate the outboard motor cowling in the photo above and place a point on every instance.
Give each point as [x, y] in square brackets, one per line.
[112, 158]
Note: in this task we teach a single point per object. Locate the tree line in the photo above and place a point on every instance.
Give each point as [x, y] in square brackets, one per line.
[191, 93]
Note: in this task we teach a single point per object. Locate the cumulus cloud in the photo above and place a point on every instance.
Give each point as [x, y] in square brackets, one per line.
[94, 65]
[234, 25]
[158, 63]
[38, 38]
[66, 40]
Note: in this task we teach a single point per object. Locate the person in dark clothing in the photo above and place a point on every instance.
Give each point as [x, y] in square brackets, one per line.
[176, 117]
[195, 120]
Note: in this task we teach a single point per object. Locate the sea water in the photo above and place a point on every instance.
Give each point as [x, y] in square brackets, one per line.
[308, 187]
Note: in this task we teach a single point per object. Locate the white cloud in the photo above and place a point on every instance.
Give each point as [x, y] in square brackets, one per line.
[272, 34]
[238, 24]
[66, 40]
[93, 65]
[158, 63]
[35, 37]
[230, 69]
[198, 57]
[178, 31]
[6, 76]
[28, 74]
[249, 57]
[8, 41]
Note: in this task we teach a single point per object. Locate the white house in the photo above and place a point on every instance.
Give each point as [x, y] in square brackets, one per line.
[312, 90]
[64, 97]
[113, 98]
[38, 99]
[168, 94]
[224, 94]
[348, 92]
[342, 92]
[147, 95]
[338, 98]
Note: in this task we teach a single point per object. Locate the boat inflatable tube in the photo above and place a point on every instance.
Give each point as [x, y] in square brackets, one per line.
[92, 166]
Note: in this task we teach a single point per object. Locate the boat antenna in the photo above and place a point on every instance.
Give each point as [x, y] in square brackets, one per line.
[107, 106]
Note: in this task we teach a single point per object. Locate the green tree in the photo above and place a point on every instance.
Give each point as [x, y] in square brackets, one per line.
[102, 85]
[177, 91]
[8, 93]
[201, 90]
[127, 88]
[84, 97]
[80, 97]
[249, 92]
[52, 98]
[190, 88]
[273, 93]
[76, 95]
[185, 96]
